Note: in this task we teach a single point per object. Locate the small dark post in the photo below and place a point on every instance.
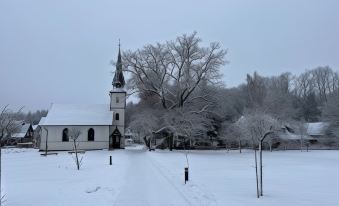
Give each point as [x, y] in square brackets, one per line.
[110, 160]
[186, 174]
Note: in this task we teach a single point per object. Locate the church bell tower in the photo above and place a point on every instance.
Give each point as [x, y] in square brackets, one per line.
[118, 106]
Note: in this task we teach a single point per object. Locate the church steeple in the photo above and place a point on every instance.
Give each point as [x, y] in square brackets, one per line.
[118, 80]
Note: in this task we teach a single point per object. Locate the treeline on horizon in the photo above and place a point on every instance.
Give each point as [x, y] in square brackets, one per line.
[180, 90]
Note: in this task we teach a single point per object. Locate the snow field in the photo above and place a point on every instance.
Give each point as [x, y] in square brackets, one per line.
[140, 177]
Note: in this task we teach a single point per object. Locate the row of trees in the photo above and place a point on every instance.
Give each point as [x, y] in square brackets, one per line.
[181, 92]
[30, 117]
[180, 89]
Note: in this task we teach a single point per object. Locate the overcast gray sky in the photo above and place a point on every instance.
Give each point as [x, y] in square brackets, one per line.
[59, 51]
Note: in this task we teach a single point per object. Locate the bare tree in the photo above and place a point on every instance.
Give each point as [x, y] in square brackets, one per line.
[325, 81]
[304, 85]
[278, 100]
[74, 134]
[301, 129]
[173, 71]
[256, 90]
[8, 125]
[258, 126]
[144, 123]
[331, 114]
[232, 133]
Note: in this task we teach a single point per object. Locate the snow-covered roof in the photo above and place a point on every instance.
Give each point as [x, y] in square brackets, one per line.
[78, 114]
[42, 120]
[23, 129]
[290, 136]
[19, 135]
[316, 128]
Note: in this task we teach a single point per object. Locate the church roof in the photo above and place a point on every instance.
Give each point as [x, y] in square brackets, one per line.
[118, 79]
[79, 114]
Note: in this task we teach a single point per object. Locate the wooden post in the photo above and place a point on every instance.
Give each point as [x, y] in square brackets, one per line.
[110, 160]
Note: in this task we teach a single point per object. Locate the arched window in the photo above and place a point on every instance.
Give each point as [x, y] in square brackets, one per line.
[90, 135]
[65, 135]
[117, 117]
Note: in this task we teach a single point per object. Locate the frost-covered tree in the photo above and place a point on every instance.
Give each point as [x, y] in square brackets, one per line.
[256, 90]
[258, 126]
[74, 134]
[232, 132]
[279, 100]
[325, 82]
[170, 73]
[331, 114]
[179, 78]
[144, 123]
[188, 123]
[8, 125]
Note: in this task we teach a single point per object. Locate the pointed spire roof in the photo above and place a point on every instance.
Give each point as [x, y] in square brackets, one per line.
[118, 80]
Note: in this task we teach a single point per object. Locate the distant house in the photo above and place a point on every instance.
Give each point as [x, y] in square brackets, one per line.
[24, 135]
[317, 129]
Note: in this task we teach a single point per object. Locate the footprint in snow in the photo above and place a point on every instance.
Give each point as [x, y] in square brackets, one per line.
[93, 190]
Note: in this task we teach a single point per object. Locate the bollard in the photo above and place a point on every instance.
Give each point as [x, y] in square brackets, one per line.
[186, 174]
[110, 160]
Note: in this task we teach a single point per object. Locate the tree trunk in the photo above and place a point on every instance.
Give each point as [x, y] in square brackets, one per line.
[301, 143]
[239, 146]
[256, 170]
[76, 154]
[171, 142]
[270, 147]
[260, 151]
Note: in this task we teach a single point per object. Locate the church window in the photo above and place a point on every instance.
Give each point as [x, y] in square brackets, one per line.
[65, 135]
[90, 134]
[117, 117]
[117, 100]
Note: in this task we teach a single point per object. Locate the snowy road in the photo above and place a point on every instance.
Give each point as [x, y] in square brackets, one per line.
[149, 183]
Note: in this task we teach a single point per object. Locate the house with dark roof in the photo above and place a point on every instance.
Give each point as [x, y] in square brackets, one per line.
[24, 135]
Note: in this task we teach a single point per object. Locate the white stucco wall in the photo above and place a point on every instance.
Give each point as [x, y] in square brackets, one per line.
[121, 102]
[101, 138]
[118, 107]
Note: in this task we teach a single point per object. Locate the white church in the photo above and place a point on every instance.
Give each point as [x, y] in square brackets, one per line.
[102, 126]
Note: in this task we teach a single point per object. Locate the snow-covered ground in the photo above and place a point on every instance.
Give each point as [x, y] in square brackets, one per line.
[138, 177]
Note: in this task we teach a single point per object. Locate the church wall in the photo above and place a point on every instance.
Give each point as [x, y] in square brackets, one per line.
[122, 131]
[101, 138]
[118, 107]
[121, 103]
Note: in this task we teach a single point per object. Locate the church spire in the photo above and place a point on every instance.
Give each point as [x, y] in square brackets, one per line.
[118, 80]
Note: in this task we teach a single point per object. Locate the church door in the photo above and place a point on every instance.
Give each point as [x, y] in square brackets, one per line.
[115, 139]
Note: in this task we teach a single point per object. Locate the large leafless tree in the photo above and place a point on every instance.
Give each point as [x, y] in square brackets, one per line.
[171, 72]
[8, 126]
